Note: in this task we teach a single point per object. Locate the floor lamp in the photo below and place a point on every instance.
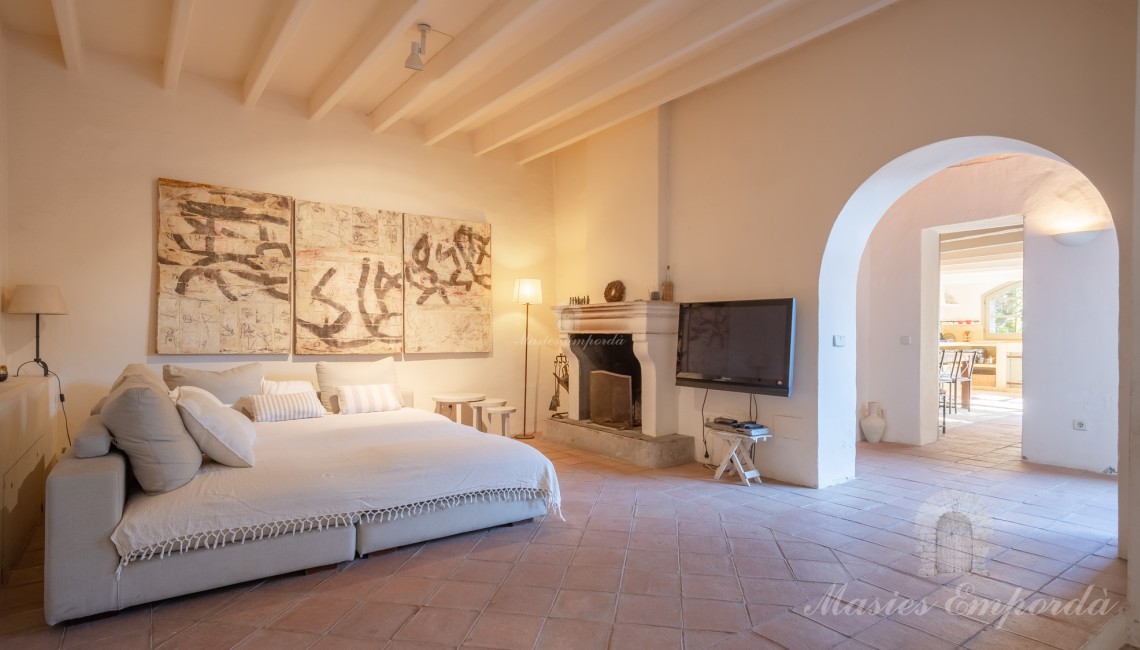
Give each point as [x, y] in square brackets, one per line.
[528, 291]
[37, 299]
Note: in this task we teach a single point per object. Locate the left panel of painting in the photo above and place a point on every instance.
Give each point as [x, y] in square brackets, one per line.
[225, 270]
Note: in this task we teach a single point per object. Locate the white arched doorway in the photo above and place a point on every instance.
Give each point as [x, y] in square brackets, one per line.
[837, 406]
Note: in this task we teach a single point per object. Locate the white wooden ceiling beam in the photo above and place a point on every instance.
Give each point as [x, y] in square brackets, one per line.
[488, 37]
[277, 39]
[799, 26]
[600, 34]
[176, 44]
[695, 32]
[387, 29]
[67, 24]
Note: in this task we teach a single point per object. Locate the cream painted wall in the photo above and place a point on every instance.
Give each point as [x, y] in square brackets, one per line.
[1071, 301]
[762, 163]
[968, 290]
[90, 148]
[3, 192]
[608, 212]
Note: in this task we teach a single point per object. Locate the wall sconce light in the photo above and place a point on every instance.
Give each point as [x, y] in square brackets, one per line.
[1078, 238]
[414, 62]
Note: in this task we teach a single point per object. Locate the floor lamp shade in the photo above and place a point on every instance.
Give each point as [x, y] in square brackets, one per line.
[37, 299]
[528, 291]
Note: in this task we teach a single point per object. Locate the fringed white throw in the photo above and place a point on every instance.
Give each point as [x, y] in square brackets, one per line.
[336, 471]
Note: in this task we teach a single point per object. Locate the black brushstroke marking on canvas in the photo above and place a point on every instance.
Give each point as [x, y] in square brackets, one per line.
[327, 331]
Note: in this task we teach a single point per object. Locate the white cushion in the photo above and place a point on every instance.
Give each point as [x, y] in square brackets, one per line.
[177, 394]
[369, 398]
[221, 432]
[270, 387]
[291, 406]
[331, 376]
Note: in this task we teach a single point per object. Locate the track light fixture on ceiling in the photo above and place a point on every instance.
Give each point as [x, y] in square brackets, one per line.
[414, 62]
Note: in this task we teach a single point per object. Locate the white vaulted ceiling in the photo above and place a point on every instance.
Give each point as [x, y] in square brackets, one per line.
[531, 76]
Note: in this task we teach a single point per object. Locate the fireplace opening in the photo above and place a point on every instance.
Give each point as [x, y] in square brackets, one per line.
[610, 380]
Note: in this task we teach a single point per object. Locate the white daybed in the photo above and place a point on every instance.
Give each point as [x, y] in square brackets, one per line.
[321, 491]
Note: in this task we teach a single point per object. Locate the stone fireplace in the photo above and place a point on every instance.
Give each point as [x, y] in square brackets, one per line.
[622, 360]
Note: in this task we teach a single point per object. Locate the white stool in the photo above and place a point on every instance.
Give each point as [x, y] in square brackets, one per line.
[454, 403]
[504, 413]
[477, 411]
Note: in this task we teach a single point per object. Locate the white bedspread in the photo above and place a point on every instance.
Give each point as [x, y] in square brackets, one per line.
[334, 471]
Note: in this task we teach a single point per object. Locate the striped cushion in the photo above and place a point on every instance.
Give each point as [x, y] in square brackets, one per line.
[291, 406]
[369, 398]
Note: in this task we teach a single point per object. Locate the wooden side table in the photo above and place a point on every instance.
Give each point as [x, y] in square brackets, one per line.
[454, 402]
[738, 459]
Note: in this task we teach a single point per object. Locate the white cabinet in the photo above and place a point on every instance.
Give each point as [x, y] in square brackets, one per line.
[27, 443]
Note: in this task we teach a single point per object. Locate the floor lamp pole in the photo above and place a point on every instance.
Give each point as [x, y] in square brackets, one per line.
[526, 368]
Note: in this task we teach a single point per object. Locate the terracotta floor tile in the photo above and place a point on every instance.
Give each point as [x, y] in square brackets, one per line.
[254, 609]
[649, 610]
[707, 564]
[438, 625]
[762, 591]
[333, 642]
[522, 600]
[813, 571]
[604, 538]
[547, 554]
[762, 567]
[597, 556]
[806, 551]
[508, 631]
[586, 605]
[572, 634]
[207, 635]
[374, 620]
[712, 587]
[940, 623]
[664, 561]
[892, 635]
[409, 590]
[794, 631]
[313, 614]
[481, 571]
[536, 575]
[719, 615]
[496, 550]
[595, 578]
[640, 637]
[459, 594]
[653, 542]
[278, 640]
[650, 583]
[755, 547]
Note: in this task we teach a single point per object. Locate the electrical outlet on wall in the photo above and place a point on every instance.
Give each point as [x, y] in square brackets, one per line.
[1080, 425]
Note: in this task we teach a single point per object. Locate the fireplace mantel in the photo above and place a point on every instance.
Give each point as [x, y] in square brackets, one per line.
[653, 327]
[637, 317]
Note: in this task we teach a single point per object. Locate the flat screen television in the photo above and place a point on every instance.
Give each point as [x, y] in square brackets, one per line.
[740, 345]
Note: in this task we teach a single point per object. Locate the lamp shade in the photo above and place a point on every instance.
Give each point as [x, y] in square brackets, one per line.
[37, 299]
[528, 291]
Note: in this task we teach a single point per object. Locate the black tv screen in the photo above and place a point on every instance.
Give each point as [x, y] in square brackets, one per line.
[740, 345]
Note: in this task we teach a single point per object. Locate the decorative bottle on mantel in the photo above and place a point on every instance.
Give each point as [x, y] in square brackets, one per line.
[667, 287]
[873, 423]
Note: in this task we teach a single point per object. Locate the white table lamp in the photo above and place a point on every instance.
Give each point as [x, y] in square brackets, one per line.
[37, 299]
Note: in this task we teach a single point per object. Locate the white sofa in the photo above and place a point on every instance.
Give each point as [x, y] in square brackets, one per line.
[85, 499]
[93, 485]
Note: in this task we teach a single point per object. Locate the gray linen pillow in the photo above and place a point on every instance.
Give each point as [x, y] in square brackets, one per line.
[227, 385]
[93, 439]
[145, 424]
[331, 376]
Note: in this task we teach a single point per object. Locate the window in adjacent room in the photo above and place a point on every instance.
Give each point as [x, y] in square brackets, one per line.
[1003, 308]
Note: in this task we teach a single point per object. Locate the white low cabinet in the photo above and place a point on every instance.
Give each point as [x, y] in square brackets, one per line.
[27, 432]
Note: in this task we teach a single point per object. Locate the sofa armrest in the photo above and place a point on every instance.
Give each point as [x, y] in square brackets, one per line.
[85, 499]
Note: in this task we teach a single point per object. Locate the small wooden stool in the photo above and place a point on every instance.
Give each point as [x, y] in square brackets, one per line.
[477, 410]
[504, 413]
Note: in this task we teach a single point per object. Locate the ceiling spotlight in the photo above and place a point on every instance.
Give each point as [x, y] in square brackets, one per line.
[414, 62]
